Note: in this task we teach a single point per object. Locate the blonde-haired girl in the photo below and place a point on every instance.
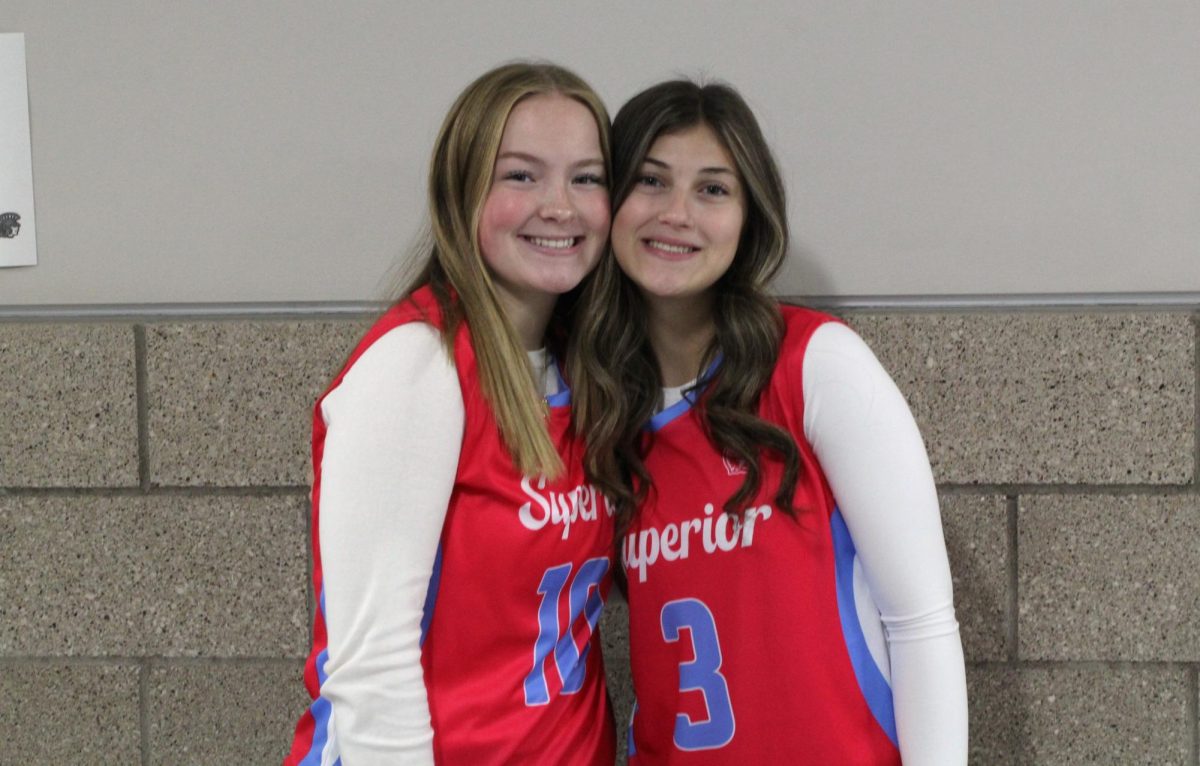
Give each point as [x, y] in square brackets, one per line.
[460, 559]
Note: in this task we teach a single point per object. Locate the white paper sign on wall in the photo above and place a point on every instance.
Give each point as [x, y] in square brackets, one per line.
[18, 246]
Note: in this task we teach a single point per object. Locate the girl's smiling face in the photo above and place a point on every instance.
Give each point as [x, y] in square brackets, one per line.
[545, 220]
[678, 230]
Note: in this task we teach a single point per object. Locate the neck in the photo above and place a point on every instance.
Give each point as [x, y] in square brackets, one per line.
[529, 316]
[680, 331]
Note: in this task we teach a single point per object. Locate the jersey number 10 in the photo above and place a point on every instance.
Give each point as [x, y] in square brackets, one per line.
[583, 598]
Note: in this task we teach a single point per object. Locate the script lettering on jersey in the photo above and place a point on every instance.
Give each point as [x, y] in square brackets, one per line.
[560, 508]
[720, 532]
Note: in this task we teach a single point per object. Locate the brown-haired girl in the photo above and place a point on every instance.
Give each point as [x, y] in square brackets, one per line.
[789, 594]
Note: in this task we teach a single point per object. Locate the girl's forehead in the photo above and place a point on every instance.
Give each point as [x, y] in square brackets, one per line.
[697, 148]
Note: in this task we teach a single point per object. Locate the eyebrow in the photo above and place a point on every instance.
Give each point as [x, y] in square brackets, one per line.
[719, 169]
[534, 160]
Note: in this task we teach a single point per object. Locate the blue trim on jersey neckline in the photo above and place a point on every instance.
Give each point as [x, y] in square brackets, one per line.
[875, 688]
[690, 397]
[562, 397]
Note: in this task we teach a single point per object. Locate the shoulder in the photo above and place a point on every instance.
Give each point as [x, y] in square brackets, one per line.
[405, 338]
[826, 371]
[800, 325]
[802, 318]
[419, 308]
[835, 350]
[401, 359]
[402, 353]
[844, 382]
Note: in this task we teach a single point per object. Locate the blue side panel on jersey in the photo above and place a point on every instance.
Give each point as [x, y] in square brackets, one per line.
[690, 397]
[431, 594]
[320, 709]
[874, 686]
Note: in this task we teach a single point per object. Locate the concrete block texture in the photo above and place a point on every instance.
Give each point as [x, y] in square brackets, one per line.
[1069, 715]
[976, 529]
[614, 625]
[1105, 577]
[153, 576]
[1046, 398]
[614, 632]
[69, 397]
[207, 713]
[69, 714]
[230, 403]
[620, 692]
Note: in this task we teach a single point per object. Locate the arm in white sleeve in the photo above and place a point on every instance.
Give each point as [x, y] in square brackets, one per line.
[872, 454]
[394, 432]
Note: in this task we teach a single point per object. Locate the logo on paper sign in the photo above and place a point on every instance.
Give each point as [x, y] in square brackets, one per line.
[10, 225]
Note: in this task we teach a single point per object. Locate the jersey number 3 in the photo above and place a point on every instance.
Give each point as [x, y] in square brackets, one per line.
[583, 597]
[703, 674]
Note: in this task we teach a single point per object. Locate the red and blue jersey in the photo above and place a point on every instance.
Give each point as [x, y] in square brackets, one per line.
[750, 642]
[509, 644]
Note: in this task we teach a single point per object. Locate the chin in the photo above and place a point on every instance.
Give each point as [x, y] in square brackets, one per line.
[559, 286]
[663, 290]
[564, 283]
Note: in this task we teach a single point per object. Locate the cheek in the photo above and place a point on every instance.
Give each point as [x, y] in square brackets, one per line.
[594, 213]
[496, 220]
[603, 214]
[625, 223]
[731, 230]
[501, 215]
[624, 250]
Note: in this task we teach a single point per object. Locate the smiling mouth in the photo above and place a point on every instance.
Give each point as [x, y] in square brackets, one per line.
[553, 243]
[670, 249]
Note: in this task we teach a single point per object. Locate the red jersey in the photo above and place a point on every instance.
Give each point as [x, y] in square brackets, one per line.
[745, 639]
[510, 648]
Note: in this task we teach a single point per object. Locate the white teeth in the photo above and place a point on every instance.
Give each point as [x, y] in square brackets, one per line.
[677, 249]
[555, 244]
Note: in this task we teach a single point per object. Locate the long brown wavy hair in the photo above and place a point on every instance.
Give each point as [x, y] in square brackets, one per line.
[617, 382]
[460, 176]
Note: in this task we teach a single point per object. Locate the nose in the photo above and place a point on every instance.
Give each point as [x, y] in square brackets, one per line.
[676, 212]
[557, 204]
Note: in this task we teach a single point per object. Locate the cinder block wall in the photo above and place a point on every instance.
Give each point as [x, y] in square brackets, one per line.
[154, 576]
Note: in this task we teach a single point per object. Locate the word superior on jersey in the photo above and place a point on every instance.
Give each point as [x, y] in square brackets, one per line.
[560, 508]
[643, 548]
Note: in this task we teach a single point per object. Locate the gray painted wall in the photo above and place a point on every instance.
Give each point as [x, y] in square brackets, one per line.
[259, 152]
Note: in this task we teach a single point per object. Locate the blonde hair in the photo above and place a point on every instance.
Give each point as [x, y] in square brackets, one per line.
[460, 176]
